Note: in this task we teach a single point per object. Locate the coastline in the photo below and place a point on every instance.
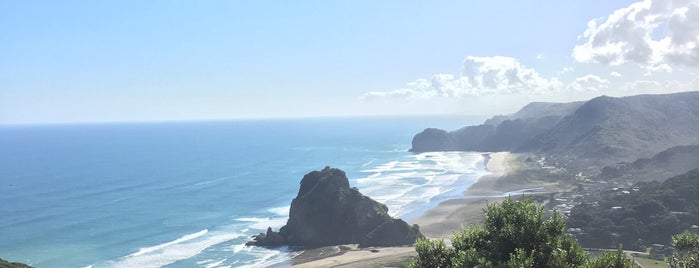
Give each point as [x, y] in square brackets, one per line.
[439, 222]
[449, 216]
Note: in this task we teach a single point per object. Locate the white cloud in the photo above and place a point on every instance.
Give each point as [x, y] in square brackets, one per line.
[656, 34]
[615, 74]
[566, 70]
[481, 76]
[400, 93]
[588, 83]
[539, 56]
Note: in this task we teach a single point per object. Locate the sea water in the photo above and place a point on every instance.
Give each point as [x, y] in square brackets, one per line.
[190, 194]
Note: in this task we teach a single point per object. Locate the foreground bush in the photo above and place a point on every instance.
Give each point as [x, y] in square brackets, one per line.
[688, 245]
[515, 234]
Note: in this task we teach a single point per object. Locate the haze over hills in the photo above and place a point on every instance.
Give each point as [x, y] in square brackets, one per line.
[599, 132]
[668, 163]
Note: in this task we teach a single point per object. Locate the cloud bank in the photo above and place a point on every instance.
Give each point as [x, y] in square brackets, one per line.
[653, 34]
[480, 76]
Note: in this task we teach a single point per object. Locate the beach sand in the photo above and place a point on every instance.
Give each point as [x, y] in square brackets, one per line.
[352, 256]
[449, 216]
[440, 222]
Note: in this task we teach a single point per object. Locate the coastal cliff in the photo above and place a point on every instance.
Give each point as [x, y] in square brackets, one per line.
[599, 132]
[327, 212]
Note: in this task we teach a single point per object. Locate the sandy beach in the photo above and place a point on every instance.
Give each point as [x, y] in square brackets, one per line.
[439, 222]
[449, 216]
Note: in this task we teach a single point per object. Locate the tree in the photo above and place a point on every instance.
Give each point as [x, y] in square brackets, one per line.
[688, 245]
[610, 259]
[515, 234]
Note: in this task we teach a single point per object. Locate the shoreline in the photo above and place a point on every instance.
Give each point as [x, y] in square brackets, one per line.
[439, 222]
[450, 215]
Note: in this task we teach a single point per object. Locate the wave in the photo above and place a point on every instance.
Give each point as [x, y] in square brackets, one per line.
[415, 183]
[211, 181]
[408, 186]
[170, 252]
[270, 257]
[263, 223]
[214, 264]
[280, 211]
[184, 238]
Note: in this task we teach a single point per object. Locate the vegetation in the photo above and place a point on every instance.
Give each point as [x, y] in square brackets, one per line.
[612, 259]
[587, 135]
[647, 262]
[515, 234]
[7, 264]
[688, 245]
[648, 213]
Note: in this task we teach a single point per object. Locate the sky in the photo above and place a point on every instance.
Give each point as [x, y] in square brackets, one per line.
[104, 61]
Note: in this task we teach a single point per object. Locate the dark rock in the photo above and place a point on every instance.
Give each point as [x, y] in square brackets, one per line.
[269, 239]
[391, 233]
[327, 212]
[7, 264]
[432, 139]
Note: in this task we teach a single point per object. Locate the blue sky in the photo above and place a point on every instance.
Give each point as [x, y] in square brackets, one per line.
[96, 61]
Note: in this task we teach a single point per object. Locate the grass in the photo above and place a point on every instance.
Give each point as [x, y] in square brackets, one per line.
[650, 263]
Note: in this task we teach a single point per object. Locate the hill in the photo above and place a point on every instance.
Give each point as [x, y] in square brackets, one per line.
[645, 214]
[669, 163]
[596, 133]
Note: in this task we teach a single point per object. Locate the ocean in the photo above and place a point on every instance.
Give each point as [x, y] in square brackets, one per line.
[190, 194]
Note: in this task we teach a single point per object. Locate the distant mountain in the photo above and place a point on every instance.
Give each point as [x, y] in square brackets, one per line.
[602, 131]
[500, 133]
[669, 163]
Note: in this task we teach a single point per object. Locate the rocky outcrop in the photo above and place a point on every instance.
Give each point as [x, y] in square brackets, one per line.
[432, 139]
[327, 212]
[7, 264]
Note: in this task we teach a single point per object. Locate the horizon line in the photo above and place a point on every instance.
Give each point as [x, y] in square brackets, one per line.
[231, 119]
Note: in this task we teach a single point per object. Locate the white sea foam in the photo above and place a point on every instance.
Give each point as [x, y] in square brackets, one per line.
[407, 186]
[263, 223]
[211, 181]
[215, 264]
[417, 181]
[280, 211]
[184, 238]
[182, 248]
[268, 257]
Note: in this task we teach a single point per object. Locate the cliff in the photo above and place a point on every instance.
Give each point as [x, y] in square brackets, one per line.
[326, 211]
[599, 132]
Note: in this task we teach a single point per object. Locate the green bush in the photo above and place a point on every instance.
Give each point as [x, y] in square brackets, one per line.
[515, 234]
[688, 245]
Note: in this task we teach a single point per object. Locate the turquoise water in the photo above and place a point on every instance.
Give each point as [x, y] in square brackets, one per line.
[189, 194]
